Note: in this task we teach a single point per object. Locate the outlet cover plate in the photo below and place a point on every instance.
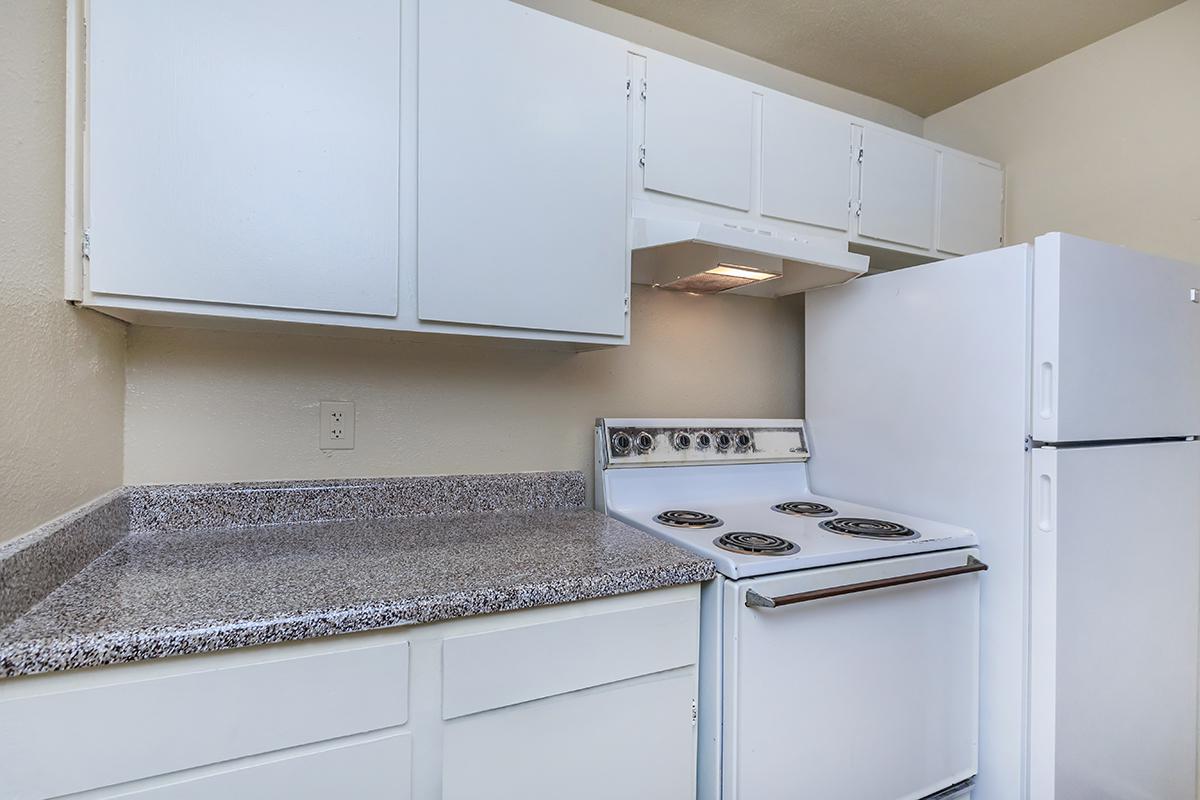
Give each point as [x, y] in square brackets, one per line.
[337, 425]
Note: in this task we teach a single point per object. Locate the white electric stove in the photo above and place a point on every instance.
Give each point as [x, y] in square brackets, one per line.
[839, 642]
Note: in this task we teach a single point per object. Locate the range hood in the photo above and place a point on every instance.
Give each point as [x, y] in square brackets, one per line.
[709, 257]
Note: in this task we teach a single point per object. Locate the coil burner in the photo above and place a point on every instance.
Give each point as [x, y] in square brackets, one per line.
[696, 520]
[869, 528]
[804, 508]
[755, 544]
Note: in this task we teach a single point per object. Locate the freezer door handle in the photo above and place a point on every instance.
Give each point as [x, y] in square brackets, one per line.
[756, 600]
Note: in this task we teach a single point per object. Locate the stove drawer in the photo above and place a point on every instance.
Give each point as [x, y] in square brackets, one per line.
[870, 693]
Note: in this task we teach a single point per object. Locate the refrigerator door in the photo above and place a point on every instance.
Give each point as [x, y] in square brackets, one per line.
[1115, 582]
[916, 399]
[1115, 337]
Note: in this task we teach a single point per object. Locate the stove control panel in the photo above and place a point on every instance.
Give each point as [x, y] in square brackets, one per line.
[666, 442]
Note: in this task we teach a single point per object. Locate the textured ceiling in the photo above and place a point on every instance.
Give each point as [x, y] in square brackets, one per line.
[922, 55]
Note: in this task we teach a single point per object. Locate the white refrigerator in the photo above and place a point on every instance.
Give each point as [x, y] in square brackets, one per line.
[1046, 396]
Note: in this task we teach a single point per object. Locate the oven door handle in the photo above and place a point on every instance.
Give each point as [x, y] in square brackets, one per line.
[756, 600]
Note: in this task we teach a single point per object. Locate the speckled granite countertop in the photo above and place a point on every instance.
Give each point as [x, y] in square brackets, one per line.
[169, 592]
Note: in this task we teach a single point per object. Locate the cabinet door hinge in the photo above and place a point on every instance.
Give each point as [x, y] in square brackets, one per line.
[642, 155]
[628, 86]
[860, 155]
[643, 88]
[858, 210]
[626, 304]
[694, 713]
[86, 245]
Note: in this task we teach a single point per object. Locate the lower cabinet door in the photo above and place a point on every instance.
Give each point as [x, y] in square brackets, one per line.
[630, 739]
[377, 767]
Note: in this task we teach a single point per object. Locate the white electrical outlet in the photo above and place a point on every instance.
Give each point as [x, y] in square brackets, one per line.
[337, 425]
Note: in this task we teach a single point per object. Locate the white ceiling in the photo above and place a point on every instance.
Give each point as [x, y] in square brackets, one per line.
[922, 55]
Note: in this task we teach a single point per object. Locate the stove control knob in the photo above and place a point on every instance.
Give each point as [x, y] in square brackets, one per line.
[681, 440]
[643, 442]
[622, 443]
[703, 440]
[743, 441]
[724, 440]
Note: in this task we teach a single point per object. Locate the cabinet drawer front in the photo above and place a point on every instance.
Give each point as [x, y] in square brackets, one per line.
[490, 670]
[136, 728]
[630, 740]
[374, 769]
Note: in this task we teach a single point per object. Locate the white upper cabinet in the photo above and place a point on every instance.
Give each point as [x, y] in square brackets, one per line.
[699, 133]
[245, 152]
[898, 188]
[472, 167]
[805, 162]
[522, 185]
[971, 215]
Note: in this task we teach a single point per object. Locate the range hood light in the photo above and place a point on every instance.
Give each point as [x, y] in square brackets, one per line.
[735, 271]
[718, 279]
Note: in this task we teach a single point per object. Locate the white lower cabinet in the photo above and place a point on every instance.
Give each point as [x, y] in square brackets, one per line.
[588, 699]
[595, 707]
[377, 767]
[630, 739]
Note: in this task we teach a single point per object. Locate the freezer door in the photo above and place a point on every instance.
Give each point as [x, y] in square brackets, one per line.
[1115, 337]
[1115, 582]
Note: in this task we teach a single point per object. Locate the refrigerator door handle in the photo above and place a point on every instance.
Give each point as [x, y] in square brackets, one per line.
[1045, 517]
[1046, 390]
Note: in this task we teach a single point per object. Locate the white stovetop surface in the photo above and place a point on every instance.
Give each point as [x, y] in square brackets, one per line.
[742, 496]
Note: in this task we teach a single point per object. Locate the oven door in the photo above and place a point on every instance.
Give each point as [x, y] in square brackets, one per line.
[872, 693]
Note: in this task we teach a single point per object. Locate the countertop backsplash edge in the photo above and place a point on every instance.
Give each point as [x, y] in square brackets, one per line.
[36, 563]
[164, 507]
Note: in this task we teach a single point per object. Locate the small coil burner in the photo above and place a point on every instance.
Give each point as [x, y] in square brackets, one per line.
[869, 528]
[696, 520]
[754, 544]
[804, 508]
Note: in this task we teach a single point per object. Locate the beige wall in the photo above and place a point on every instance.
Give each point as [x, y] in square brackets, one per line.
[62, 368]
[1102, 142]
[217, 406]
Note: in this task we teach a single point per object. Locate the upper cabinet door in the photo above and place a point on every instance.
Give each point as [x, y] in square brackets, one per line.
[245, 153]
[698, 133]
[898, 183]
[805, 163]
[522, 170]
[972, 205]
